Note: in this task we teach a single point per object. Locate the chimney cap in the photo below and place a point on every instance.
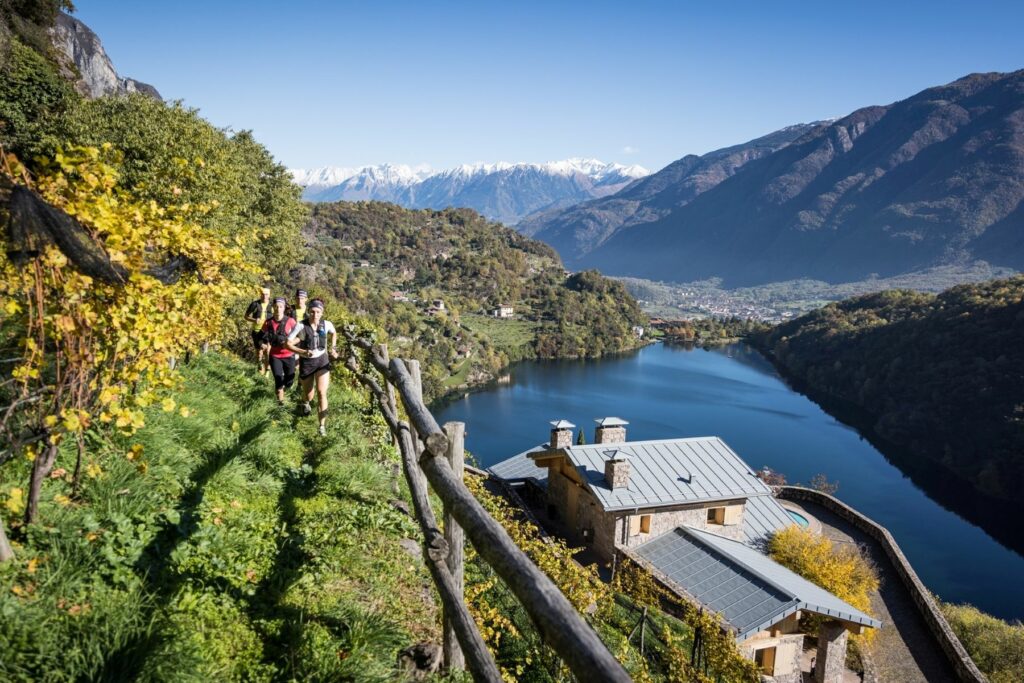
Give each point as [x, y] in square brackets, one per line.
[615, 455]
[562, 424]
[610, 422]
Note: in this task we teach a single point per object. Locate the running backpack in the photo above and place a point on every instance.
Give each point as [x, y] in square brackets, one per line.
[279, 337]
[320, 336]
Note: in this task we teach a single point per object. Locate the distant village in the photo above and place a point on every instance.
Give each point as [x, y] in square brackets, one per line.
[715, 303]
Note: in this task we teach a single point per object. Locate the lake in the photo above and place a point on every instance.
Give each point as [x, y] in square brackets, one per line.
[733, 392]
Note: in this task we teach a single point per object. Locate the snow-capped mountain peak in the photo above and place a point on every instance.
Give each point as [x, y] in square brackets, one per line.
[503, 191]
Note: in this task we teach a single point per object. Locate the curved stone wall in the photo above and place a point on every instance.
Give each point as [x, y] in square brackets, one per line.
[965, 667]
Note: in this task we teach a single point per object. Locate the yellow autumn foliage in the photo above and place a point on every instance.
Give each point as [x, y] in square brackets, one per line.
[841, 570]
[94, 351]
[113, 339]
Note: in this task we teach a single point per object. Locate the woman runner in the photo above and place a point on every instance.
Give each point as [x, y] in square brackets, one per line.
[311, 340]
[282, 361]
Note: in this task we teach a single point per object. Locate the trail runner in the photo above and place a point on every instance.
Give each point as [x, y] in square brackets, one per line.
[316, 343]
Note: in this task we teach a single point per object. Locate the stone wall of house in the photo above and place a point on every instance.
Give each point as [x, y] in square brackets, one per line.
[696, 517]
[788, 647]
[965, 667]
[558, 492]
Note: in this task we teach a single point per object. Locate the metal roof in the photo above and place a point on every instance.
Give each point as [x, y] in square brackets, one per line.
[749, 590]
[762, 516]
[668, 472]
[610, 422]
[521, 468]
[562, 424]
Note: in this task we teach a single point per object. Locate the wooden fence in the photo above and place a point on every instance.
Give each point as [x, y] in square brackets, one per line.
[430, 454]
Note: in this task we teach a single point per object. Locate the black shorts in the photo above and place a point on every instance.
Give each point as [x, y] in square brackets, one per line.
[257, 339]
[283, 370]
[310, 366]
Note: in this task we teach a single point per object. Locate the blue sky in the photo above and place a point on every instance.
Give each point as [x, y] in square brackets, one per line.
[444, 83]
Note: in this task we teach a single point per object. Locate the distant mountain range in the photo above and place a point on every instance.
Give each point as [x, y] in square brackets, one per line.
[504, 192]
[577, 230]
[935, 179]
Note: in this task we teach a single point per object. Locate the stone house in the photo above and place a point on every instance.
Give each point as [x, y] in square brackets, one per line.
[697, 517]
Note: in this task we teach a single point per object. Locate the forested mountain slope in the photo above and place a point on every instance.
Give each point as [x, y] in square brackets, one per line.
[939, 377]
[577, 230]
[391, 264]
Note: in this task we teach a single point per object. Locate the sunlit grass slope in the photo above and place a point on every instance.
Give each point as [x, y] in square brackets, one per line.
[236, 545]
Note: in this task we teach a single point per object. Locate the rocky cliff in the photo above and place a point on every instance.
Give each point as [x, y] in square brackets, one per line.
[96, 74]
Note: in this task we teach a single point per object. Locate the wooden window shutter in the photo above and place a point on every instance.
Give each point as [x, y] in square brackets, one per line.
[732, 514]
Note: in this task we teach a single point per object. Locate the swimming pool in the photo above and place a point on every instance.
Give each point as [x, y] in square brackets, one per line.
[798, 518]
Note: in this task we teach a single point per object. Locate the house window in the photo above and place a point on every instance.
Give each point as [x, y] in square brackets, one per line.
[645, 524]
[716, 515]
[765, 660]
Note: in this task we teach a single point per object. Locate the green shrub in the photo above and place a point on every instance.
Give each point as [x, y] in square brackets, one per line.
[995, 646]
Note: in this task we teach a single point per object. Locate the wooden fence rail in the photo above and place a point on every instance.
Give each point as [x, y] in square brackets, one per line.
[557, 621]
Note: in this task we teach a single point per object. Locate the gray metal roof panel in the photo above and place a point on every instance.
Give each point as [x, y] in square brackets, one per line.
[521, 468]
[812, 597]
[763, 516]
[749, 590]
[667, 472]
[742, 599]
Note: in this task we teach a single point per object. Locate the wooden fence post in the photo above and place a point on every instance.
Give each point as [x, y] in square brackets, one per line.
[456, 433]
[413, 366]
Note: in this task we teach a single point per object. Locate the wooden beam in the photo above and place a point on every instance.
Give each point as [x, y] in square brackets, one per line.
[435, 551]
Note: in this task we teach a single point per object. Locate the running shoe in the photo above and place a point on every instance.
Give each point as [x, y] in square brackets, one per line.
[323, 430]
[306, 410]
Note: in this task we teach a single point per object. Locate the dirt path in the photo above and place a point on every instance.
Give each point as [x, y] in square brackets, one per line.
[904, 650]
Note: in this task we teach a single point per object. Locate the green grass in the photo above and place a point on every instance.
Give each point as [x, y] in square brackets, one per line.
[508, 335]
[460, 376]
[245, 548]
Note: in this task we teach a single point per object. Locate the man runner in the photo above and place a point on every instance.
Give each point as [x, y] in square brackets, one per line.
[259, 312]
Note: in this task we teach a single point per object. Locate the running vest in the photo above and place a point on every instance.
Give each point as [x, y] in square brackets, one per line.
[314, 341]
[278, 337]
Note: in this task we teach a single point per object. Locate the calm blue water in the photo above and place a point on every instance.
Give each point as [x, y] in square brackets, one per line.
[734, 393]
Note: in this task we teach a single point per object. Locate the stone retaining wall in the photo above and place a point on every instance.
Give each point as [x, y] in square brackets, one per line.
[962, 663]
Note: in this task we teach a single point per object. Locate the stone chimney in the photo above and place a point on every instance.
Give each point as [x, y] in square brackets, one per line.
[610, 430]
[616, 469]
[561, 434]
